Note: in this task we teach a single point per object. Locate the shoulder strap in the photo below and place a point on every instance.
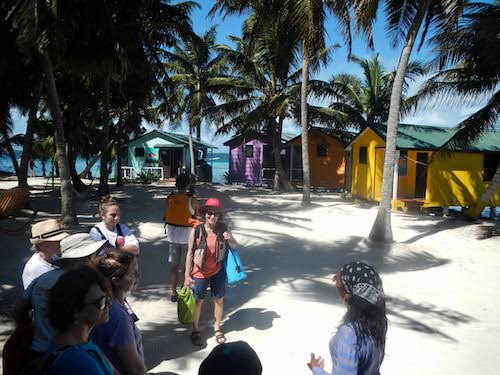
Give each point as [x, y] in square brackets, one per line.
[52, 358]
[119, 229]
[100, 232]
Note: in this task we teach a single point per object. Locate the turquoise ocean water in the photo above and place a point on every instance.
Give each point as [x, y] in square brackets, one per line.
[218, 161]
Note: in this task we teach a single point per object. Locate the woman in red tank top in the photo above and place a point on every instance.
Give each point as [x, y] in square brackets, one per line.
[206, 250]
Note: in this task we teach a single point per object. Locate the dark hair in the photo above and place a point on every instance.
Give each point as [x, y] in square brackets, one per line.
[182, 181]
[114, 264]
[366, 320]
[234, 358]
[105, 203]
[66, 298]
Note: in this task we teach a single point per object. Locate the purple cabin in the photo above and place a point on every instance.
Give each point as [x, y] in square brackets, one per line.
[251, 160]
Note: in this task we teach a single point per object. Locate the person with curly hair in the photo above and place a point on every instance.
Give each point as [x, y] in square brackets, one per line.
[119, 338]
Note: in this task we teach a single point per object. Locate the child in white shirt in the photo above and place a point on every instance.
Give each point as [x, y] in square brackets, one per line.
[118, 235]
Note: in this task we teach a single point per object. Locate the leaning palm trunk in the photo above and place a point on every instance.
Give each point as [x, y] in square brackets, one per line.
[281, 180]
[475, 209]
[306, 176]
[103, 189]
[22, 176]
[382, 229]
[68, 215]
[191, 152]
[89, 166]
[10, 151]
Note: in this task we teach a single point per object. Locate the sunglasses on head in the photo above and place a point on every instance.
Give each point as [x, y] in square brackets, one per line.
[212, 213]
[101, 303]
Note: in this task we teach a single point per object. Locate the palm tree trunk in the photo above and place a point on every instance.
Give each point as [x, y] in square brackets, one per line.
[306, 175]
[75, 178]
[10, 150]
[382, 228]
[89, 166]
[191, 152]
[119, 179]
[68, 215]
[281, 179]
[475, 209]
[22, 176]
[103, 189]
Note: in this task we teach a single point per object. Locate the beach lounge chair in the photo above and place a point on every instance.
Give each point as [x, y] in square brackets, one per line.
[12, 201]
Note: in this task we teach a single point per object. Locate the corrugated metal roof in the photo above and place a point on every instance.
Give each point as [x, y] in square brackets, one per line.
[169, 145]
[424, 137]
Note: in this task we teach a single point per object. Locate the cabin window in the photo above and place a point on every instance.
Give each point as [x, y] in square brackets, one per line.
[139, 152]
[249, 151]
[363, 152]
[490, 165]
[321, 150]
[403, 163]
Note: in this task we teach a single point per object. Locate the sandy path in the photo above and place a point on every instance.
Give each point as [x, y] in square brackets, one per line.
[440, 282]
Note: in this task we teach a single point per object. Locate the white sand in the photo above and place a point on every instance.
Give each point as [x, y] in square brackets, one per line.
[441, 282]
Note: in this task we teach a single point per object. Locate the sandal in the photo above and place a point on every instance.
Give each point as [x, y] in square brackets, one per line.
[196, 338]
[220, 337]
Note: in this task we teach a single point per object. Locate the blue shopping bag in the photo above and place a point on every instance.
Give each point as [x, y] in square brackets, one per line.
[235, 272]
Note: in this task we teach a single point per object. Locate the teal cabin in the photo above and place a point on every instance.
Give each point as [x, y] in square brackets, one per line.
[165, 153]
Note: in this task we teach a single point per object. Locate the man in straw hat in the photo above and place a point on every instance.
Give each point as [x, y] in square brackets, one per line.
[76, 250]
[45, 238]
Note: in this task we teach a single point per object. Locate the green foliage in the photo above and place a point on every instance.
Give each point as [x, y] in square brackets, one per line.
[148, 177]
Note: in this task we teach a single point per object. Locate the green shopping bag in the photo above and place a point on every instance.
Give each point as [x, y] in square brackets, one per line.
[186, 305]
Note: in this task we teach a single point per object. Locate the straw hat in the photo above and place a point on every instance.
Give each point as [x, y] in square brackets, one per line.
[47, 230]
[78, 245]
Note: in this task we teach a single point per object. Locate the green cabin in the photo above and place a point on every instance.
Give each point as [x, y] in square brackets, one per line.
[165, 153]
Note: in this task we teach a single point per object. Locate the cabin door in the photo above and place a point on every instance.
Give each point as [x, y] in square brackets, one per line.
[421, 175]
[170, 160]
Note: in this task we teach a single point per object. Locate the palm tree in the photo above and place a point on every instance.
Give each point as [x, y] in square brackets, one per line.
[360, 101]
[308, 16]
[200, 74]
[468, 65]
[43, 150]
[264, 89]
[404, 22]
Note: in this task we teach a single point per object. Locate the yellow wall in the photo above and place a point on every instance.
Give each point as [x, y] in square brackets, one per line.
[327, 171]
[363, 175]
[455, 181]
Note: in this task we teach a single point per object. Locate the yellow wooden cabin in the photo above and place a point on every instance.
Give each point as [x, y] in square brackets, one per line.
[422, 180]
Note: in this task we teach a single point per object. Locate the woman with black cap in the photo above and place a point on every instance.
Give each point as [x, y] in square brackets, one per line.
[206, 252]
[359, 344]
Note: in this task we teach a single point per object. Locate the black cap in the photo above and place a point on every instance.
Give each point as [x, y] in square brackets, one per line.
[234, 358]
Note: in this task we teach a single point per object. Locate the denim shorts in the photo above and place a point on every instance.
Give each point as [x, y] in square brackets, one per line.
[217, 284]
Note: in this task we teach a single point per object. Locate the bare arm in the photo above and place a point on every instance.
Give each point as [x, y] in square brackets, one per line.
[228, 236]
[189, 260]
[131, 362]
[131, 249]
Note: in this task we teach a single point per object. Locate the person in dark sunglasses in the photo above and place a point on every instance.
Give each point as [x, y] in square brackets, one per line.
[78, 301]
[119, 338]
[206, 251]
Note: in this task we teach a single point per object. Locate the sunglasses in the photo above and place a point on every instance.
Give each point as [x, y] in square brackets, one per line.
[212, 213]
[101, 303]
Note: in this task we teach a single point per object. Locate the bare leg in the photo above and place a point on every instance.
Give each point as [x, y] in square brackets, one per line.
[218, 310]
[197, 314]
[173, 278]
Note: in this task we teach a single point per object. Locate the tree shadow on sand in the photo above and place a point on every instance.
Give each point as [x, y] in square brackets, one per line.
[272, 256]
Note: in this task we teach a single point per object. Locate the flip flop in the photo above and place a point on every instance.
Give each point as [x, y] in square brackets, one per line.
[220, 337]
[196, 338]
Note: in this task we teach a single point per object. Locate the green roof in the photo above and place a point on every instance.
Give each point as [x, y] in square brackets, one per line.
[285, 137]
[185, 138]
[424, 137]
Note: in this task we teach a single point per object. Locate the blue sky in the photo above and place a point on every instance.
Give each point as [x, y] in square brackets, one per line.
[339, 64]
